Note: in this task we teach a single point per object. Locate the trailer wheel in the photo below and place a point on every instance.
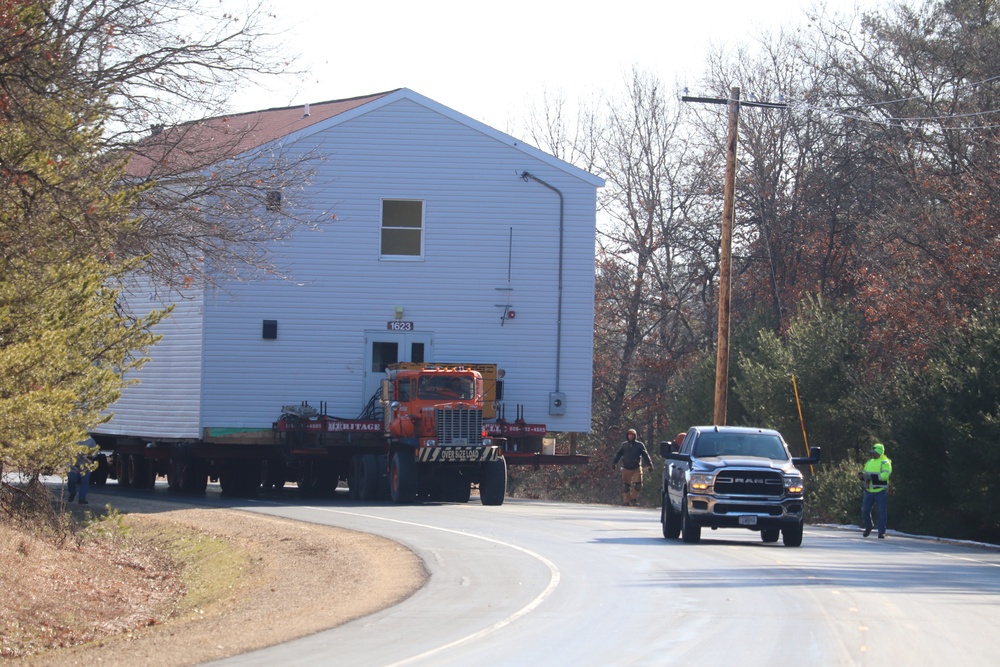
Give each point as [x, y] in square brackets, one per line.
[100, 475]
[140, 472]
[458, 489]
[273, 474]
[121, 470]
[308, 478]
[384, 493]
[368, 478]
[191, 476]
[403, 477]
[354, 478]
[240, 479]
[173, 475]
[493, 485]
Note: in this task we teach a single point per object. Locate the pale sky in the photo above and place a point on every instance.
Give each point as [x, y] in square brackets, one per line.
[492, 60]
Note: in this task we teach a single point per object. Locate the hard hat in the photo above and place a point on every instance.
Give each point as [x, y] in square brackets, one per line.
[878, 448]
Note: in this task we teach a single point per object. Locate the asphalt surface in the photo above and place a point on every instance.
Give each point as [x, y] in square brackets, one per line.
[537, 583]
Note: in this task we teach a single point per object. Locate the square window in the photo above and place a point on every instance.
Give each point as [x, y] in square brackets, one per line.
[272, 201]
[402, 228]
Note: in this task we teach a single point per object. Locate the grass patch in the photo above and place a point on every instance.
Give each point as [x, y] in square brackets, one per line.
[209, 567]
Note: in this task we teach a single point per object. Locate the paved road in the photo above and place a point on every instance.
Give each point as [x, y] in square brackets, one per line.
[534, 583]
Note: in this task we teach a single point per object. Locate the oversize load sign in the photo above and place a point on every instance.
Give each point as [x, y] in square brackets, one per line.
[457, 454]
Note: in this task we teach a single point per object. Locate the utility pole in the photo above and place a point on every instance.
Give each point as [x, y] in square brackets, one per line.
[726, 244]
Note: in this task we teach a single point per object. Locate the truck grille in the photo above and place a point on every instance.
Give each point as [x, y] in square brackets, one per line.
[749, 483]
[459, 427]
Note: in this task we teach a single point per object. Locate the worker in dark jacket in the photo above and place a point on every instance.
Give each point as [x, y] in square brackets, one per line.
[632, 454]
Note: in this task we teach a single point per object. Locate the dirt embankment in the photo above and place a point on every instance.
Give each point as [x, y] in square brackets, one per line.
[190, 585]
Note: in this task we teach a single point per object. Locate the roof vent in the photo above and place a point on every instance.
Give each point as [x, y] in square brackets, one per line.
[305, 112]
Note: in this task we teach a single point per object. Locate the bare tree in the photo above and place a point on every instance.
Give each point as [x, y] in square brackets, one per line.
[147, 68]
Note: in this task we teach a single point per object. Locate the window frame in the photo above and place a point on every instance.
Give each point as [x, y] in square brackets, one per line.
[382, 228]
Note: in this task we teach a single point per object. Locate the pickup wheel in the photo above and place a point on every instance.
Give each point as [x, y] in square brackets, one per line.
[792, 536]
[671, 522]
[493, 485]
[403, 477]
[770, 534]
[690, 533]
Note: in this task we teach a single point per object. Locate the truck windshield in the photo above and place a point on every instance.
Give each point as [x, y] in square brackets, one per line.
[740, 444]
[446, 387]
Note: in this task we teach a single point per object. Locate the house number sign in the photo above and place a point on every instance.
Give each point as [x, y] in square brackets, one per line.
[399, 325]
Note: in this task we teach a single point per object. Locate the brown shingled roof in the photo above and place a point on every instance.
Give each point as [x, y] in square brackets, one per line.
[200, 143]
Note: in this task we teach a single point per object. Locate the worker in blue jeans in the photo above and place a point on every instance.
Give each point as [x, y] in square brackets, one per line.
[876, 478]
[78, 479]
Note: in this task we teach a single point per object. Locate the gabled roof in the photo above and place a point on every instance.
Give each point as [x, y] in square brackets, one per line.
[198, 144]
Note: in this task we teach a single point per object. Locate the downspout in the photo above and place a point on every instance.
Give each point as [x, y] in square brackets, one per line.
[529, 176]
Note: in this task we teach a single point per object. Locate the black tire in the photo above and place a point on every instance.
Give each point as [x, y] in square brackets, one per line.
[273, 474]
[99, 476]
[173, 475]
[354, 478]
[493, 485]
[240, 479]
[403, 481]
[140, 472]
[671, 522]
[308, 478]
[458, 490]
[121, 470]
[384, 492]
[792, 536]
[368, 478]
[690, 533]
[191, 475]
[770, 535]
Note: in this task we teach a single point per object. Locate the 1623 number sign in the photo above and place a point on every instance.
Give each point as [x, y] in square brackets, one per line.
[399, 325]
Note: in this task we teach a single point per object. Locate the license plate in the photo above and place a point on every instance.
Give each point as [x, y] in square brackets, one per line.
[748, 520]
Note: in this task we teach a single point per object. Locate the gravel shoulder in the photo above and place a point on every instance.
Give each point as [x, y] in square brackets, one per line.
[281, 580]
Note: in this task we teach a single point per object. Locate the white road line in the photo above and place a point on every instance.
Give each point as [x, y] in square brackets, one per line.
[531, 606]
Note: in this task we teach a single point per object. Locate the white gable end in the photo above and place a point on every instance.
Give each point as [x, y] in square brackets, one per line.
[490, 245]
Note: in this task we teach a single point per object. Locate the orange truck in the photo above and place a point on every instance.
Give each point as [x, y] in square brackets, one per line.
[432, 432]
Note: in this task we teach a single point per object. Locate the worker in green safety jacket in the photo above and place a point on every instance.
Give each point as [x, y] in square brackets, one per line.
[876, 477]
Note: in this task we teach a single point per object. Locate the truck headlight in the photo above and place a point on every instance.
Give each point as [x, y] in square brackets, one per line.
[430, 442]
[701, 482]
[793, 484]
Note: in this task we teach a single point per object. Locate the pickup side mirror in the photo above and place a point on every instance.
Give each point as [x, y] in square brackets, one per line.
[668, 447]
[814, 457]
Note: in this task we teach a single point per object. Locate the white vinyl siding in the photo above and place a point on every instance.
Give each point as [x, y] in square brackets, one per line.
[166, 402]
